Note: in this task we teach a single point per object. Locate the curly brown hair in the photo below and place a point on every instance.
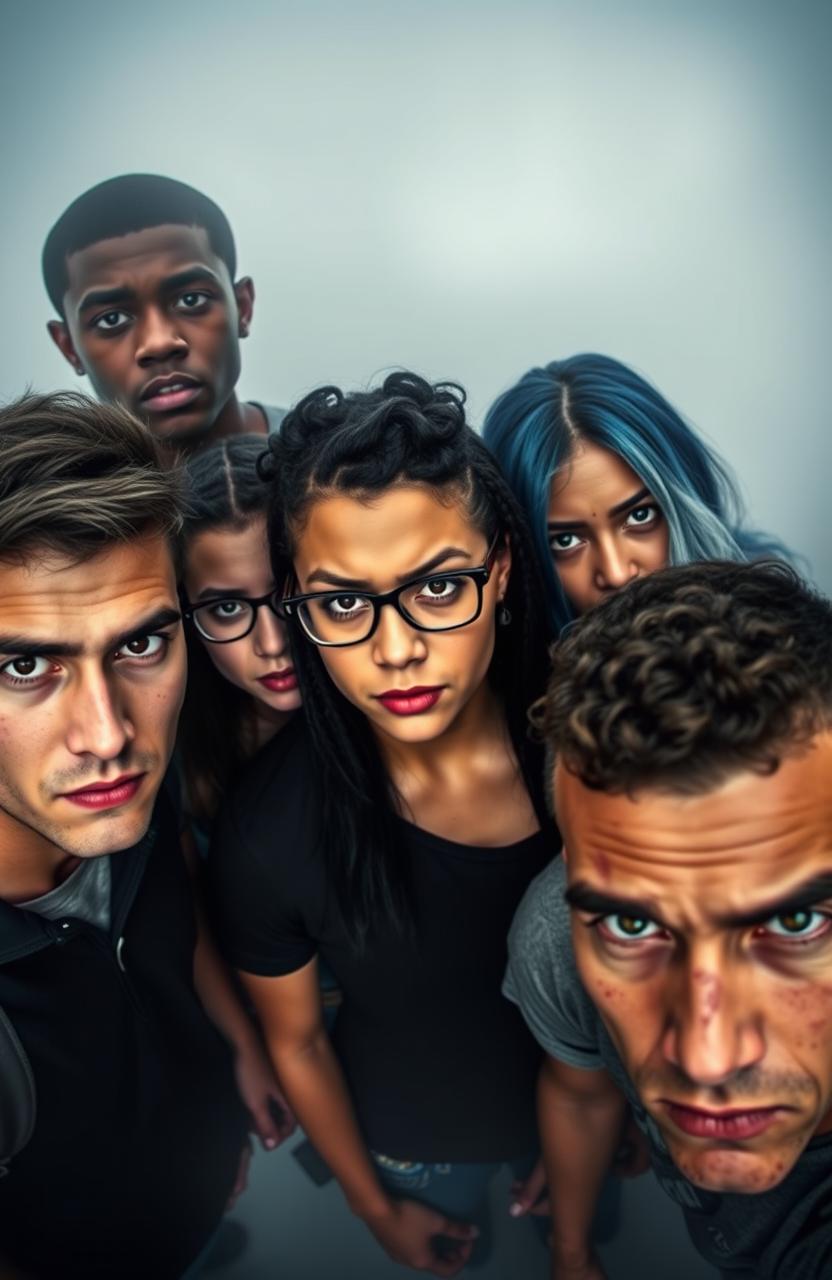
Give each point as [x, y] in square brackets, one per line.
[688, 675]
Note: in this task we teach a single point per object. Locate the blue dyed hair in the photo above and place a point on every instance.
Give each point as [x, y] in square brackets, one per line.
[533, 429]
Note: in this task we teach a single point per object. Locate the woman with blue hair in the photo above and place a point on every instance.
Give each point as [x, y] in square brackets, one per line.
[613, 482]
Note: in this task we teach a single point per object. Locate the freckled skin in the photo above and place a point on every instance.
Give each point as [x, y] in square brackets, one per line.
[706, 1014]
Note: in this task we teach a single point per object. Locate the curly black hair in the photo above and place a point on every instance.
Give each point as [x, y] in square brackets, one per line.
[406, 431]
[688, 675]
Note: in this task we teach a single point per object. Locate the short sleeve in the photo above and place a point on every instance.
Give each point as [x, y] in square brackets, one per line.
[263, 879]
[541, 977]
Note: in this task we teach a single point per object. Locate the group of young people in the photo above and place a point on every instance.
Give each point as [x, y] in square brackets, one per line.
[367, 892]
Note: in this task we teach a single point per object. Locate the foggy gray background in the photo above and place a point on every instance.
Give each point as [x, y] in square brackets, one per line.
[466, 188]
[469, 188]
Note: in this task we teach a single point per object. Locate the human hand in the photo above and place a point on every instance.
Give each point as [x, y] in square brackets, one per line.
[271, 1116]
[531, 1196]
[420, 1237]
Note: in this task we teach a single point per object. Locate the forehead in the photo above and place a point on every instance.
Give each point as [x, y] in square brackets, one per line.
[227, 556]
[52, 600]
[140, 260]
[381, 538]
[746, 841]
[591, 476]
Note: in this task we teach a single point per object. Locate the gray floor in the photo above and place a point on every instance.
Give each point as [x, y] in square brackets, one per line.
[298, 1231]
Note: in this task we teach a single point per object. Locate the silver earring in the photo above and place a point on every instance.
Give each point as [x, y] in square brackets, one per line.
[503, 616]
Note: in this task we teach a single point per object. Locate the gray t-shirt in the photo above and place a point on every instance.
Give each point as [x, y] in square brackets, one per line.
[84, 895]
[782, 1234]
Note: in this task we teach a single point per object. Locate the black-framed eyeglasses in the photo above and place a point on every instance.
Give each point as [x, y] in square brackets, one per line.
[432, 602]
[228, 618]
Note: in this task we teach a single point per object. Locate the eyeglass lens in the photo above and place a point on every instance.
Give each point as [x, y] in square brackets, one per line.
[434, 604]
[224, 619]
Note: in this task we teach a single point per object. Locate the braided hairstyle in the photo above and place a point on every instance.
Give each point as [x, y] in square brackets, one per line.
[224, 491]
[404, 432]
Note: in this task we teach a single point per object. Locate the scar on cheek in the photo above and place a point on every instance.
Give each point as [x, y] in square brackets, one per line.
[710, 995]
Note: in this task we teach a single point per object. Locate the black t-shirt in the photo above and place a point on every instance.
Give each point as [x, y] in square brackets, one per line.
[441, 1067]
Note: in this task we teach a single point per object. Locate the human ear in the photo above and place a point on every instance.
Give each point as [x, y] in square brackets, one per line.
[244, 294]
[502, 566]
[59, 334]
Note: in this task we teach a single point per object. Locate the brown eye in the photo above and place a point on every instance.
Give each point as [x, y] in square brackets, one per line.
[144, 647]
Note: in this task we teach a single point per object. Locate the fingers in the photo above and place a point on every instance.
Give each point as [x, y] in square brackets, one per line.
[457, 1230]
[529, 1196]
[452, 1261]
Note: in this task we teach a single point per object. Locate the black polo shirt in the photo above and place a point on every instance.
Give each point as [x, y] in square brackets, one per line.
[139, 1126]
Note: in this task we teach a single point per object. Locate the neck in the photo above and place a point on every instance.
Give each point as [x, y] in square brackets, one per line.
[30, 865]
[234, 419]
[480, 725]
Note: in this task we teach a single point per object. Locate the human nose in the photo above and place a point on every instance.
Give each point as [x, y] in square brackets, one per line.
[159, 338]
[270, 637]
[715, 1030]
[395, 642]
[613, 565]
[99, 725]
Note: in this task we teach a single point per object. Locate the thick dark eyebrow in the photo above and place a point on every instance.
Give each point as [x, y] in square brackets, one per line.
[583, 897]
[556, 525]
[221, 593]
[323, 575]
[818, 889]
[170, 284]
[23, 647]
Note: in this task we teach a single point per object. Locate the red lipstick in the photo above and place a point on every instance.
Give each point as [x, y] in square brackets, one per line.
[106, 795]
[727, 1126]
[411, 702]
[280, 681]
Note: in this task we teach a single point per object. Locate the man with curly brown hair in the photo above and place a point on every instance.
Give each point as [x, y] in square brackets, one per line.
[679, 956]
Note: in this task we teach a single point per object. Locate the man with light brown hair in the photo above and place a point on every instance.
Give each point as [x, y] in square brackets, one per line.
[138, 1129]
[689, 721]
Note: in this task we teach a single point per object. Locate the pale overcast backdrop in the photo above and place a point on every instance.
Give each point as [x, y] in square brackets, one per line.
[469, 188]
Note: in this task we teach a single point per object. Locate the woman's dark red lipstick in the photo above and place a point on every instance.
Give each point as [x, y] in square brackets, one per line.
[411, 702]
[280, 681]
[106, 795]
[725, 1126]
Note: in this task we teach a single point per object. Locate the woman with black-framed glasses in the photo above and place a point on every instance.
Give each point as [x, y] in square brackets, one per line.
[392, 831]
[242, 686]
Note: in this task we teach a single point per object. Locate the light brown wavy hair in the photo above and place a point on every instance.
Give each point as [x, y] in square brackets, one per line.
[689, 675]
[77, 476]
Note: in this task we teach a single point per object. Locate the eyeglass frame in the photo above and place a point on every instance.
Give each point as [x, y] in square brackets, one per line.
[271, 598]
[480, 575]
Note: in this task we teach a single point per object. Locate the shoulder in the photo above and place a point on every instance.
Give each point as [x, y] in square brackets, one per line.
[542, 978]
[271, 413]
[540, 929]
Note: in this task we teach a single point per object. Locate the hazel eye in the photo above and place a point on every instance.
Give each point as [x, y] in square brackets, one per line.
[803, 925]
[623, 928]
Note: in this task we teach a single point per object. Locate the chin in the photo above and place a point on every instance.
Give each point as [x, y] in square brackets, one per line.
[734, 1170]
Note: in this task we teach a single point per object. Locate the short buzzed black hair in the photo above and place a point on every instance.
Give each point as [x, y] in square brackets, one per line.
[128, 203]
[688, 675]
